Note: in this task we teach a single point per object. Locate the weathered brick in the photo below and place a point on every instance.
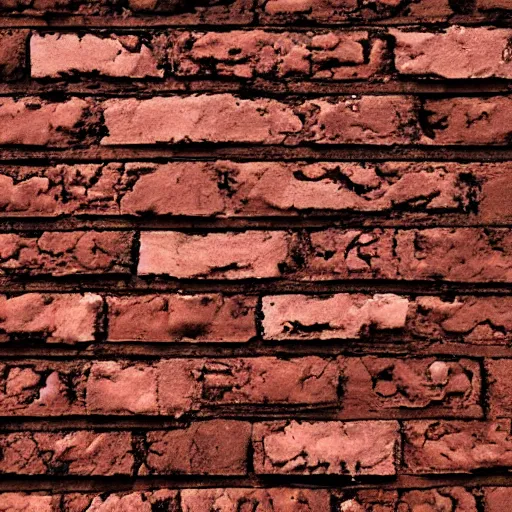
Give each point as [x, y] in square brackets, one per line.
[56, 55]
[376, 386]
[362, 500]
[381, 120]
[452, 499]
[174, 318]
[192, 384]
[117, 388]
[458, 52]
[23, 502]
[60, 253]
[342, 316]
[81, 453]
[456, 121]
[201, 118]
[485, 5]
[248, 54]
[13, 50]
[43, 388]
[352, 448]
[450, 254]
[456, 447]
[46, 316]
[242, 255]
[498, 387]
[51, 124]
[274, 499]
[497, 499]
[217, 447]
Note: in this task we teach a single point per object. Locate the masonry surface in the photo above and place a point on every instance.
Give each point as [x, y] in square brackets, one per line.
[255, 256]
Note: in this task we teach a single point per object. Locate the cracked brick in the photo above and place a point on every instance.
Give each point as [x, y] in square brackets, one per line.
[332, 448]
[442, 446]
[61, 253]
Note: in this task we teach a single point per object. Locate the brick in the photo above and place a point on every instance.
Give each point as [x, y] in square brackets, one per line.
[450, 254]
[378, 500]
[43, 388]
[458, 52]
[242, 255]
[498, 394]
[274, 499]
[194, 384]
[13, 50]
[66, 253]
[248, 54]
[217, 447]
[174, 318]
[305, 448]
[342, 316]
[56, 55]
[80, 453]
[336, 11]
[374, 387]
[476, 121]
[51, 124]
[201, 118]
[23, 502]
[454, 499]
[117, 388]
[484, 5]
[497, 499]
[381, 120]
[144, 501]
[464, 254]
[46, 316]
[432, 447]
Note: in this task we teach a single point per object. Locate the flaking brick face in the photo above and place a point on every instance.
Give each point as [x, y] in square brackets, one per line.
[255, 255]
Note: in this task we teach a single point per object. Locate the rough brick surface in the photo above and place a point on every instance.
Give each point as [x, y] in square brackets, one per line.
[255, 255]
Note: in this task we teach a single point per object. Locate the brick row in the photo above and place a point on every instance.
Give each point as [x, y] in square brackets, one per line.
[352, 387]
[224, 118]
[272, 499]
[268, 11]
[405, 191]
[281, 447]
[215, 317]
[478, 52]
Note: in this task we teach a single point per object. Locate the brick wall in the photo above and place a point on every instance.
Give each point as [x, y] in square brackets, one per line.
[255, 255]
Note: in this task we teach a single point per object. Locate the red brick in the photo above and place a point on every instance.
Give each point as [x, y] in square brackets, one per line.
[456, 446]
[342, 316]
[498, 387]
[54, 55]
[23, 502]
[51, 124]
[217, 447]
[141, 501]
[193, 384]
[61, 253]
[43, 388]
[117, 388]
[453, 499]
[374, 387]
[458, 52]
[378, 500]
[13, 51]
[248, 54]
[274, 499]
[306, 448]
[174, 318]
[382, 120]
[80, 453]
[249, 254]
[476, 121]
[497, 499]
[202, 118]
[485, 5]
[46, 316]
